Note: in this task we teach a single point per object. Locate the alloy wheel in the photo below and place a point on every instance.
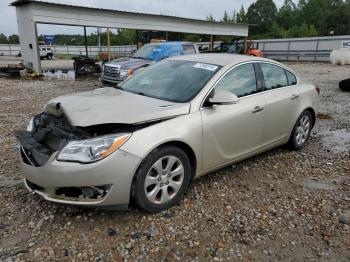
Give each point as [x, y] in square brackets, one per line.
[164, 179]
[303, 130]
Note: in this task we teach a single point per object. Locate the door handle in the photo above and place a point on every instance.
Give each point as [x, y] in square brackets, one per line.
[257, 109]
[294, 97]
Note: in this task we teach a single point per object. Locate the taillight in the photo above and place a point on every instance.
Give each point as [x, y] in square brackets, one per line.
[318, 89]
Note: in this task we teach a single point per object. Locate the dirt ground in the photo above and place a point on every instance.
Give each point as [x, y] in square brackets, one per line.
[281, 205]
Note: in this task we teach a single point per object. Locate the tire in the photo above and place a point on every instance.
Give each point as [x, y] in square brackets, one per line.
[165, 187]
[301, 131]
[344, 85]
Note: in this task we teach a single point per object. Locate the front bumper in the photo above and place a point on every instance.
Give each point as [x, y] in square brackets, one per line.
[111, 80]
[114, 173]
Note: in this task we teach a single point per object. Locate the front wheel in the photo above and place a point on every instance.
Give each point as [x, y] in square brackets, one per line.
[162, 179]
[301, 131]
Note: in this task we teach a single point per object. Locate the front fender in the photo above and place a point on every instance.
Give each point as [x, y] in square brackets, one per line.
[185, 128]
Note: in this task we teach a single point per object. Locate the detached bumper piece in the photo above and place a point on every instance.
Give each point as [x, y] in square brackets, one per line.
[71, 195]
[33, 153]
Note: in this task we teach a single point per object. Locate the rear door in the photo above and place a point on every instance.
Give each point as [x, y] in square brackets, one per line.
[282, 100]
[233, 131]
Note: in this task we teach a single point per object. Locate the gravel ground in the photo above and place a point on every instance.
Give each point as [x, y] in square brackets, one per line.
[281, 205]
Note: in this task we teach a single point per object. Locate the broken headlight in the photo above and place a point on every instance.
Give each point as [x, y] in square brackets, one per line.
[92, 150]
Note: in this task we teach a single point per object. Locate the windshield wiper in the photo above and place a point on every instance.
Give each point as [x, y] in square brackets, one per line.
[139, 57]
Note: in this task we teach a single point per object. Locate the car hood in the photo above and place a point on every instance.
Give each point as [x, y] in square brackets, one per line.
[129, 63]
[109, 105]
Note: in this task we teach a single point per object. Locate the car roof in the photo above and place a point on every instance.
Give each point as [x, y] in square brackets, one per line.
[221, 59]
[171, 42]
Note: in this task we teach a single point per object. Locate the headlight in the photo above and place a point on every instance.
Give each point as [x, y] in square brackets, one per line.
[30, 125]
[126, 73]
[92, 150]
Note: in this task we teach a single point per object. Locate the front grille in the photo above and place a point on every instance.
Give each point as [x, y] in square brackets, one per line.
[111, 71]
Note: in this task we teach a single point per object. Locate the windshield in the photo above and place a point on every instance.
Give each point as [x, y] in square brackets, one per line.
[146, 51]
[171, 80]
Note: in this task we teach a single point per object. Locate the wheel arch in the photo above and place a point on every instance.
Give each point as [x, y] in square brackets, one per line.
[180, 144]
[313, 114]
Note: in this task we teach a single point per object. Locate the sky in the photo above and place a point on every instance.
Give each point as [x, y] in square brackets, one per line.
[197, 9]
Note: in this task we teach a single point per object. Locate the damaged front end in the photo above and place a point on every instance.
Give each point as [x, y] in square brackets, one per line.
[48, 134]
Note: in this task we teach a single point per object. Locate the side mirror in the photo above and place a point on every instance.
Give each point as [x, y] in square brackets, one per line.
[223, 97]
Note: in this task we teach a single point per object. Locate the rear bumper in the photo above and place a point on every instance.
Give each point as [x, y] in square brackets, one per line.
[114, 173]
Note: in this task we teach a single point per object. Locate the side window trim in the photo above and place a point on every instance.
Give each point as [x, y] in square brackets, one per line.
[222, 76]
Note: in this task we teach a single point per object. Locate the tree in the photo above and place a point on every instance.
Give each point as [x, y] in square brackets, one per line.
[241, 17]
[13, 39]
[262, 14]
[287, 14]
[226, 17]
[3, 39]
[210, 18]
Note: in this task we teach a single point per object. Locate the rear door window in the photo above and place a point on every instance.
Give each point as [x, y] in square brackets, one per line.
[274, 76]
[189, 49]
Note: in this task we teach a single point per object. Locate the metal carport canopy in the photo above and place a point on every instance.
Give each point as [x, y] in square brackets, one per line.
[31, 12]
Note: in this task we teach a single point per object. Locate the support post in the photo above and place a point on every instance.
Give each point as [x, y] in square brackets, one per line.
[99, 38]
[316, 51]
[86, 44]
[108, 45]
[288, 51]
[28, 40]
[137, 39]
[211, 47]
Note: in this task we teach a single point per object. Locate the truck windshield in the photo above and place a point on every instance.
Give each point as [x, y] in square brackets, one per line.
[146, 51]
[171, 80]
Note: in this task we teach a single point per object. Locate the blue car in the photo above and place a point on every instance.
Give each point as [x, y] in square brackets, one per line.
[118, 70]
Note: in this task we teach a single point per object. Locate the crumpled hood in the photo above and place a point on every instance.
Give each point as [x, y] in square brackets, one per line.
[109, 105]
[129, 63]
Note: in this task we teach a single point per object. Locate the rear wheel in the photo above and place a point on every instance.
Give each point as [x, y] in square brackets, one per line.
[301, 131]
[162, 179]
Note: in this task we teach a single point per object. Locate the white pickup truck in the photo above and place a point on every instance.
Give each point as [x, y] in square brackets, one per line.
[45, 52]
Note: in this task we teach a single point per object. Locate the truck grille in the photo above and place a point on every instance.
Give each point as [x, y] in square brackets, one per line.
[111, 71]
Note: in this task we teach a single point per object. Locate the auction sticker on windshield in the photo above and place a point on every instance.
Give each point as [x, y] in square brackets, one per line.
[206, 66]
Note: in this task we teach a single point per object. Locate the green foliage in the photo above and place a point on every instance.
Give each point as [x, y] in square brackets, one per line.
[13, 39]
[261, 15]
[305, 18]
[3, 39]
[121, 37]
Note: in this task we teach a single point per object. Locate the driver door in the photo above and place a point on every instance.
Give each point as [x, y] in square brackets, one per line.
[234, 131]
